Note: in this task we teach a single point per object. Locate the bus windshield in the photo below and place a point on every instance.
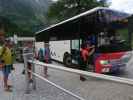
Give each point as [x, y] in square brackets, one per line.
[113, 41]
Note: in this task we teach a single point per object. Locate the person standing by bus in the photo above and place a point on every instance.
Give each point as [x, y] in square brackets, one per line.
[86, 51]
[44, 56]
[47, 58]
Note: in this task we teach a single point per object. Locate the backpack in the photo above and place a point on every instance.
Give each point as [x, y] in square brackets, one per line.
[47, 56]
[41, 54]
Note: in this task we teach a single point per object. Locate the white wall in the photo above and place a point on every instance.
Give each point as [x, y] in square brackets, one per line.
[39, 45]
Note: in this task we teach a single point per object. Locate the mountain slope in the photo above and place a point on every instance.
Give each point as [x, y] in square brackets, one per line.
[28, 15]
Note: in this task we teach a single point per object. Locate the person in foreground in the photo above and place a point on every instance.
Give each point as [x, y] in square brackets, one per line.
[6, 56]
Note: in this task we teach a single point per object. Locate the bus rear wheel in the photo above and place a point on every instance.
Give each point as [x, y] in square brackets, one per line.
[67, 60]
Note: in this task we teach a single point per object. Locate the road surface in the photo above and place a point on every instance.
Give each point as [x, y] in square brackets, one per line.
[92, 89]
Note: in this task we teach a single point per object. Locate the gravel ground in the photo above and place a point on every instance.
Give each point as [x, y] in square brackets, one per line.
[92, 89]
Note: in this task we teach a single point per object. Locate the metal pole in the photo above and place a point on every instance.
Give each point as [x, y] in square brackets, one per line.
[33, 77]
[33, 66]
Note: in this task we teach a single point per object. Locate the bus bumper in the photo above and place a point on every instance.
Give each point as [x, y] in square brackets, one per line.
[117, 67]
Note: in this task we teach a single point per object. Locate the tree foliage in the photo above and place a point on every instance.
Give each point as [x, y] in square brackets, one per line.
[63, 9]
[23, 17]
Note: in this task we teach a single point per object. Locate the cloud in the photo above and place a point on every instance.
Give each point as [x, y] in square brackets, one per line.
[122, 5]
[54, 0]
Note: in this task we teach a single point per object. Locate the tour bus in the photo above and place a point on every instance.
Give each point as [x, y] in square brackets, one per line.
[61, 51]
[105, 28]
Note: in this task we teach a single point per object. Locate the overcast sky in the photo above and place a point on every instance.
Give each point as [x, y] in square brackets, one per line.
[122, 5]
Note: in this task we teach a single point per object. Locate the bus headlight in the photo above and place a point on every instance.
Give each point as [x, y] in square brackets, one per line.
[104, 62]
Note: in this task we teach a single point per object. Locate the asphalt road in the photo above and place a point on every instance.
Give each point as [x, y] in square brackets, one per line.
[92, 89]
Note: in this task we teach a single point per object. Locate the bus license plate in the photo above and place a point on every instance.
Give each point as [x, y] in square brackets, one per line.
[105, 70]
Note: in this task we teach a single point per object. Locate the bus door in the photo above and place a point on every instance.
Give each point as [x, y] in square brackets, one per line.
[75, 50]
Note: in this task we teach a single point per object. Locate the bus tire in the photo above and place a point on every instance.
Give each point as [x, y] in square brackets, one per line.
[67, 60]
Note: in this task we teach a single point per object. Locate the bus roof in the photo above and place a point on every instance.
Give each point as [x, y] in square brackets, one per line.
[82, 23]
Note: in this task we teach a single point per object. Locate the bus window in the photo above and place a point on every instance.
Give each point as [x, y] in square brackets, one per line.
[113, 41]
[103, 39]
[75, 44]
[122, 35]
